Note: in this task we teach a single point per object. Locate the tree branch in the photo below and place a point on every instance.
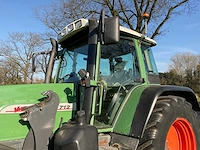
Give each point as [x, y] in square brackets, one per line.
[127, 18]
[166, 18]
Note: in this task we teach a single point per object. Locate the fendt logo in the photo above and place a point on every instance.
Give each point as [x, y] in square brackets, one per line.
[18, 108]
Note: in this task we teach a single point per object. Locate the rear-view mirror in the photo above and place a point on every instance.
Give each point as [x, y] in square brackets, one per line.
[111, 33]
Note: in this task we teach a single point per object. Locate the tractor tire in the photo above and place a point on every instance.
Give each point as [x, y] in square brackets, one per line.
[173, 125]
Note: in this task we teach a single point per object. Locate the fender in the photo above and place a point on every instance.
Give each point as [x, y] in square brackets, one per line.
[148, 100]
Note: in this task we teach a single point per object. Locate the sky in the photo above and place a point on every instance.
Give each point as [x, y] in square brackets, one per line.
[183, 35]
[183, 32]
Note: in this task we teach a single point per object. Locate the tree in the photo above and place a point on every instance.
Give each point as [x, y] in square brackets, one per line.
[184, 63]
[196, 79]
[171, 78]
[16, 53]
[9, 73]
[184, 70]
[60, 13]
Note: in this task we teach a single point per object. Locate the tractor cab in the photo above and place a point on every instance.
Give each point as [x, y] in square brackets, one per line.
[109, 70]
[119, 62]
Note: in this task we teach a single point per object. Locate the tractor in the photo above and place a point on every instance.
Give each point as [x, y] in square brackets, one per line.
[108, 80]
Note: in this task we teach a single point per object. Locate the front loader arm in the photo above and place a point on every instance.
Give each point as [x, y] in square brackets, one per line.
[41, 118]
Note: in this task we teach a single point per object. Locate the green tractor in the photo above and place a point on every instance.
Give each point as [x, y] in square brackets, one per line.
[106, 95]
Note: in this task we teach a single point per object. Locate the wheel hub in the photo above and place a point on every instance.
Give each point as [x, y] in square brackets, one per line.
[180, 136]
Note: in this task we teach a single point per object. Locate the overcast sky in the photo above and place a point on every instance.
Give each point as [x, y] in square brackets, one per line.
[182, 33]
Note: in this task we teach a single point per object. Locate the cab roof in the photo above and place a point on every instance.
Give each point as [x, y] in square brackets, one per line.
[137, 35]
[77, 34]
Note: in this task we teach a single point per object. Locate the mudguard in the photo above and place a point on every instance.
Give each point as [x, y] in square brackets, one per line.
[148, 100]
[139, 103]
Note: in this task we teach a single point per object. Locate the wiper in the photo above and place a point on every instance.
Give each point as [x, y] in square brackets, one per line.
[62, 79]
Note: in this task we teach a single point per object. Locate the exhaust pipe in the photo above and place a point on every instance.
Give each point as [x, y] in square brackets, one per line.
[50, 65]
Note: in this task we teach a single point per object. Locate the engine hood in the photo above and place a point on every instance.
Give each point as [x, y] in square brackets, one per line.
[14, 97]
[31, 93]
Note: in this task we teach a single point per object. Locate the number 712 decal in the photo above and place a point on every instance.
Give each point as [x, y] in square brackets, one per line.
[18, 108]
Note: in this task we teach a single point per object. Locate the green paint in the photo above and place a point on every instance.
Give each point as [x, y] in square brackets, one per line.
[105, 130]
[93, 107]
[98, 61]
[29, 94]
[123, 121]
[140, 60]
[100, 98]
[95, 81]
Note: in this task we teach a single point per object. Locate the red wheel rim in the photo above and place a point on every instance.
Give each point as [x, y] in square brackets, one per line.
[180, 136]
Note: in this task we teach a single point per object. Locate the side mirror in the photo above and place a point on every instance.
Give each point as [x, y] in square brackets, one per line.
[108, 29]
[111, 32]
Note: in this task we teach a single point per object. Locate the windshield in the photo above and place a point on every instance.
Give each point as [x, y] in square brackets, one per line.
[119, 64]
[72, 62]
[149, 61]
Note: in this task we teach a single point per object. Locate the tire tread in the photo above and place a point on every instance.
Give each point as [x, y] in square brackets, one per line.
[162, 107]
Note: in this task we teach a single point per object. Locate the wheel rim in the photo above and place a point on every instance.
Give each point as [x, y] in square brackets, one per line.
[180, 136]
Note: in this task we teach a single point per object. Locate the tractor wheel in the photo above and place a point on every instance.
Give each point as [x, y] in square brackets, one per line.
[173, 125]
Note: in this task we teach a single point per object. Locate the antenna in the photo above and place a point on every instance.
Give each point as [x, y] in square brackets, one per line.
[145, 16]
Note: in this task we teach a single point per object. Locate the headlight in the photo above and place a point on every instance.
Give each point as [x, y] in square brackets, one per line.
[78, 24]
[63, 32]
[59, 36]
[70, 28]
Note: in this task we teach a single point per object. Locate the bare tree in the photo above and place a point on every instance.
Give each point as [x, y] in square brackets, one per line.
[9, 73]
[16, 53]
[61, 12]
[184, 71]
[184, 63]
[185, 66]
